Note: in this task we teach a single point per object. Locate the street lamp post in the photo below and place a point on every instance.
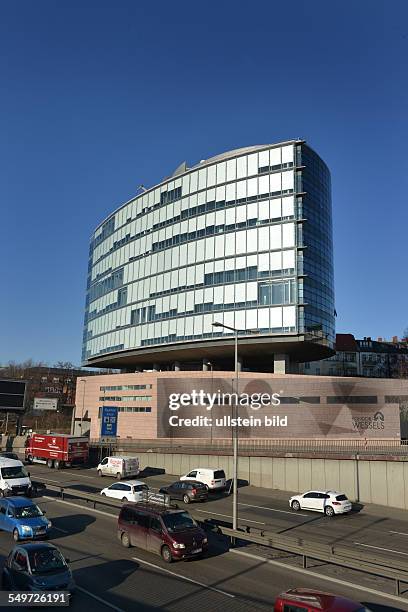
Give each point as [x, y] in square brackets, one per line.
[235, 431]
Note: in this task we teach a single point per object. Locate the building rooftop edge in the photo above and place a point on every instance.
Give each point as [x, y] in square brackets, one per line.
[206, 162]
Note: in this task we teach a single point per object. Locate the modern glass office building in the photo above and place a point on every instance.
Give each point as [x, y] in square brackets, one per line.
[243, 239]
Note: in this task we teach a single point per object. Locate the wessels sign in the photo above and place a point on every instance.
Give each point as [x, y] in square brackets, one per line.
[369, 422]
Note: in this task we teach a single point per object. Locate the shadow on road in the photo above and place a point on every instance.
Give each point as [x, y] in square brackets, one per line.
[71, 524]
[151, 471]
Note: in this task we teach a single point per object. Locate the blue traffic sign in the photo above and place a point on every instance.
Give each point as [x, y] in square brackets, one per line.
[109, 421]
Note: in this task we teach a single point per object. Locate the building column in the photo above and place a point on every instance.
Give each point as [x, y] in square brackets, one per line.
[207, 365]
[177, 366]
[240, 363]
[281, 363]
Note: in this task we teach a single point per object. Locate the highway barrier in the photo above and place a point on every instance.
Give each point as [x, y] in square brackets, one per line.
[339, 555]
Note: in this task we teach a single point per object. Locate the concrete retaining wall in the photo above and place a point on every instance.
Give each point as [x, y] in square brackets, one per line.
[376, 482]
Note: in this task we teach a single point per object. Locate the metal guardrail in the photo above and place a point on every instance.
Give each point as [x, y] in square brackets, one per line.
[339, 555]
[270, 446]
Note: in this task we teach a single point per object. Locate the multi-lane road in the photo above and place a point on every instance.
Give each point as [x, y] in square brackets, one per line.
[112, 577]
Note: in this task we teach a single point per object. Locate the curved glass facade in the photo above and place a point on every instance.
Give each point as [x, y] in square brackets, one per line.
[223, 241]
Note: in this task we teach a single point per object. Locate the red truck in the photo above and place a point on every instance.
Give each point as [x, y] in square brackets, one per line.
[57, 450]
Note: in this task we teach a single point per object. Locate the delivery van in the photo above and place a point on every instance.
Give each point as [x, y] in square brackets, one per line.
[119, 467]
[213, 478]
[14, 479]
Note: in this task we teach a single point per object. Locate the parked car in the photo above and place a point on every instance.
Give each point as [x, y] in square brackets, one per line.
[329, 502]
[14, 478]
[37, 566]
[10, 455]
[119, 467]
[23, 518]
[307, 600]
[131, 490]
[214, 479]
[166, 531]
[188, 491]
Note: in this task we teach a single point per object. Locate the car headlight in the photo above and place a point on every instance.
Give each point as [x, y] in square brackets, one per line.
[205, 541]
[25, 529]
[178, 545]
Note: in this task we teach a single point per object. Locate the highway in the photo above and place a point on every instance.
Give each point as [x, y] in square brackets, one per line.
[112, 577]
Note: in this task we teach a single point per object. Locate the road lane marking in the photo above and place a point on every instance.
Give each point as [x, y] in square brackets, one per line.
[229, 516]
[62, 501]
[57, 481]
[102, 601]
[399, 533]
[80, 475]
[315, 575]
[44, 474]
[398, 552]
[273, 509]
[166, 571]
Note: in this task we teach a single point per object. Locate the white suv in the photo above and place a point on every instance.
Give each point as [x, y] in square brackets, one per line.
[329, 502]
[130, 490]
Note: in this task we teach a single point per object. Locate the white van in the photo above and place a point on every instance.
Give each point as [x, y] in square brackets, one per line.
[214, 479]
[119, 467]
[13, 478]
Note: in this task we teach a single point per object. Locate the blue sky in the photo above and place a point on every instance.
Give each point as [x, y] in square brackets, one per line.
[97, 97]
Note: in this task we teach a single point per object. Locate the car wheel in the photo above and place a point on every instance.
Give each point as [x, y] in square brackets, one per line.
[103, 494]
[30, 459]
[329, 511]
[118, 476]
[2, 493]
[57, 464]
[50, 463]
[16, 536]
[186, 499]
[295, 506]
[100, 473]
[124, 499]
[166, 554]
[125, 540]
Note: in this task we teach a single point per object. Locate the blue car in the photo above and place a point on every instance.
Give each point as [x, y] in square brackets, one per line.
[23, 518]
[37, 566]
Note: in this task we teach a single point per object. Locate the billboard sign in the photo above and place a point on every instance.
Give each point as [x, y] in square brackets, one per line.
[45, 403]
[287, 407]
[12, 394]
[109, 421]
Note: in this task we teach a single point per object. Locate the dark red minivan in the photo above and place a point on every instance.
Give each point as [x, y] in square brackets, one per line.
[169, 532]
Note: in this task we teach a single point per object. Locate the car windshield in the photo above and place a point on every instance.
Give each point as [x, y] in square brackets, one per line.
[46, 560]
[31, 511]
[142, 487]
[219, 474]
[14, 472]
[178, 521]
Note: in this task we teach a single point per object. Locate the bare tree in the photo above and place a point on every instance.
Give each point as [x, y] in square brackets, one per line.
[64, 365]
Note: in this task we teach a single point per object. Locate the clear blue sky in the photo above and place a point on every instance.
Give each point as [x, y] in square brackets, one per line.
[97, 97]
